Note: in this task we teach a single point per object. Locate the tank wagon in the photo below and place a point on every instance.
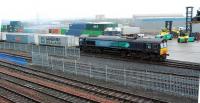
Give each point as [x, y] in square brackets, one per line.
[151, 49]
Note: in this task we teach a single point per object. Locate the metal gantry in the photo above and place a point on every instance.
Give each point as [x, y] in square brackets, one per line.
[189, 15]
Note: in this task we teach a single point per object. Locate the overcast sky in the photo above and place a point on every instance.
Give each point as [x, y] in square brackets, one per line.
[69, 9]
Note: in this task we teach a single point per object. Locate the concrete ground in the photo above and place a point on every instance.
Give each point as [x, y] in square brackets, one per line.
[184, 51]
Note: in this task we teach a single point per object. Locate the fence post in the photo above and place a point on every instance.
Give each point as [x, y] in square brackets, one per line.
[4, 45]
[51, 63]
[75, 67]
[124, 76]
[54, 51]
[14, 46]
[42, 59]
[170, 83]
[9, 46]
[106, 72]
[46, 49]
[199, 91]
[63, 64]
[39, 49]
[90, 70]
[48, 60]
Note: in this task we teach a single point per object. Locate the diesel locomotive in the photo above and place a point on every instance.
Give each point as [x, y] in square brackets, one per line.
[143, 48]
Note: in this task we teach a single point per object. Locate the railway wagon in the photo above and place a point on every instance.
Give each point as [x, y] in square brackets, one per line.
[58, 40]
[144, 48]
[20, 37]
[2, 36]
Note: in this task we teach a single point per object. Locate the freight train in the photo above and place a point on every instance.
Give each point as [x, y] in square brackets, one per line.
[40, 39]
[144, 48]
[151, 49]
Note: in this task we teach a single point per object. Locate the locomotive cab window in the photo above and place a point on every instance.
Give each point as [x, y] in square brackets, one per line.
[163, 45]
[148, 46]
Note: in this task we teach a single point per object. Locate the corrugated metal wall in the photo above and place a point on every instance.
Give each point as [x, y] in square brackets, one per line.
[154, 25]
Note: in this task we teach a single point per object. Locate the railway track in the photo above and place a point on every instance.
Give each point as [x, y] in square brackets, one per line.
[92, 89]
[12, 96]
[168, 62]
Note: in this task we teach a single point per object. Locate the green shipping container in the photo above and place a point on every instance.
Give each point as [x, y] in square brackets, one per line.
[63, 31]
[92, 32]
[99, 27]
[4, 28]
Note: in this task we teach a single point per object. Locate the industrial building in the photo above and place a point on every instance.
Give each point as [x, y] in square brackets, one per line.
[154, 23]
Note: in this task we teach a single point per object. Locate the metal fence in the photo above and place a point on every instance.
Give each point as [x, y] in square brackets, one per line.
[67, 52]
[178, 85]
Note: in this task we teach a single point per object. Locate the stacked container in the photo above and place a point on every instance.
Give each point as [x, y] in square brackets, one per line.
[76, 29]
[98, 28]
[16, 26]
[4, 28]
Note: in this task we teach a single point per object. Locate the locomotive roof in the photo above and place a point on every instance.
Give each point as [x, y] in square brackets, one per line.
[147, 40]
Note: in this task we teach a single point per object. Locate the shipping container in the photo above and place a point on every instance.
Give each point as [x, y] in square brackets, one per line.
[92, 33]
[130, 30]
[2, 36]
[74, 32]
[4, 28]
[19, 37]
[40, 31]
[63, 30]
[55, 31]
[100, 26]
[58, 40]
[77, 26]
[15, 23]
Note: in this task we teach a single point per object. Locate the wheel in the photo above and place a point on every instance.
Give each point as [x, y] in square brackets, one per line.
[163, 58]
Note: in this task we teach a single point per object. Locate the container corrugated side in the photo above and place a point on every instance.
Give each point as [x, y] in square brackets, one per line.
[58, 40]
[19, 38]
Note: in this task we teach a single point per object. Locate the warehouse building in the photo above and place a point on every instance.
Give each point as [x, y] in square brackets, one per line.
[154, 23]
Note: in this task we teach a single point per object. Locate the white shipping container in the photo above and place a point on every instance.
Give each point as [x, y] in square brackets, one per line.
[58, 40]
[195, 27]
[3, 36]
[130, 30]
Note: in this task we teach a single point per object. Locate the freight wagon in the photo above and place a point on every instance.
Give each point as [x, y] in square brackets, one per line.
[20, 37]
[58, 40]
[154, 49]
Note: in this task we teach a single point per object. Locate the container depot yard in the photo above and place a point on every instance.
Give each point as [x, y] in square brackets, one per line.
[119, 52]
[184, 52]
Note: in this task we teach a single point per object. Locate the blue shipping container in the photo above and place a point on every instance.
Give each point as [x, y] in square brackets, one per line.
[74, 32]
[15, 23]
[77, 26]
